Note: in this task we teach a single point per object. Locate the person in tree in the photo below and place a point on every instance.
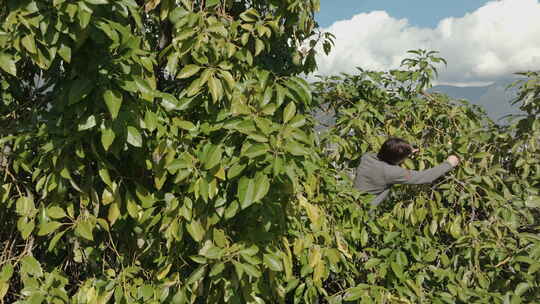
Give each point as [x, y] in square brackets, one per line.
[378, 172]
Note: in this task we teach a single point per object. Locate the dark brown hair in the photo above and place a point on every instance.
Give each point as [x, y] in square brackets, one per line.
[394, 150]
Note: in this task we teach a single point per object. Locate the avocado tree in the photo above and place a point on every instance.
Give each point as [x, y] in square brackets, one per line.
[470, 237]
[155, 149]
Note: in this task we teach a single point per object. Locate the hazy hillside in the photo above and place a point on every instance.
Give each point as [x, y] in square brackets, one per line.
[495, 98]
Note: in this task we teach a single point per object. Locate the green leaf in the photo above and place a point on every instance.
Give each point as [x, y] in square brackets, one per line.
[235, 170]
[188, 71]
[180, 297]
[353, 294]
[6, 273]
[29, 43]
[177, 14]
[78, 90]
[197, 275]
[262, 185]
[114, 213]
[267, 97]
[256, 150]
[186, 125]
[97, 2]
[289, 112]
[25, 206]
[65, 52]
[84, 228]
[169, 102]
[213, 157]
[273, 262]
[55, 240]
[251, 270]
[105, 176]
[113, 100]
[301, 88]
[397, 269]
[107, 138]
[522, 288]
[150, 120]
[196, 230]
[212, 3]
[26, 227]
[4, 287]
[88, 124]
[145, 292]
[246, 192]
[30, 266]
[229, 79]
[481, 155]
[214, 253]
[219, 28]
[259, 46]
[48, 227]
[216, 89]
[455, 228]
[134, 137]
[296, 148]
[194, 87]
[217, 269]
[298, 121]
[8, 64]
[162, 273]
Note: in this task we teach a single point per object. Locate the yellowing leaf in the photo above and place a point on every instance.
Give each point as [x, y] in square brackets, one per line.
[220, 173]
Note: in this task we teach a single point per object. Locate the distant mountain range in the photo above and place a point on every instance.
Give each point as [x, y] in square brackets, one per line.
[494, 98]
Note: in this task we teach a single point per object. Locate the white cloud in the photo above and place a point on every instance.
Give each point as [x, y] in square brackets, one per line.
[498, 39]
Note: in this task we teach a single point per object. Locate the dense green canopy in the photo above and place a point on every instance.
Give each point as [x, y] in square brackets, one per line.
[165, 151]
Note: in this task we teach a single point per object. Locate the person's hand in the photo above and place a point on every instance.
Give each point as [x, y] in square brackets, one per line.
[453, 160]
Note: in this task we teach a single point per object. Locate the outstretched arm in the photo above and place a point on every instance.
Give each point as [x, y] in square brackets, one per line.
[398, 175]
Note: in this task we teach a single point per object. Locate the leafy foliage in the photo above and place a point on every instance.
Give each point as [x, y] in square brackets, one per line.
[471, 237]
[164, 152]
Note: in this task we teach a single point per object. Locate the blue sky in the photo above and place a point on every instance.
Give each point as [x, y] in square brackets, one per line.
[484, 41]
[424, 13]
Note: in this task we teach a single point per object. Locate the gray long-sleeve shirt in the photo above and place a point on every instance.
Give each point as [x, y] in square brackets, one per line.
[376, 177]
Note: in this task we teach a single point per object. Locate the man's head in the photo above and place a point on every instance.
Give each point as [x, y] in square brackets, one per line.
[394, 151]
